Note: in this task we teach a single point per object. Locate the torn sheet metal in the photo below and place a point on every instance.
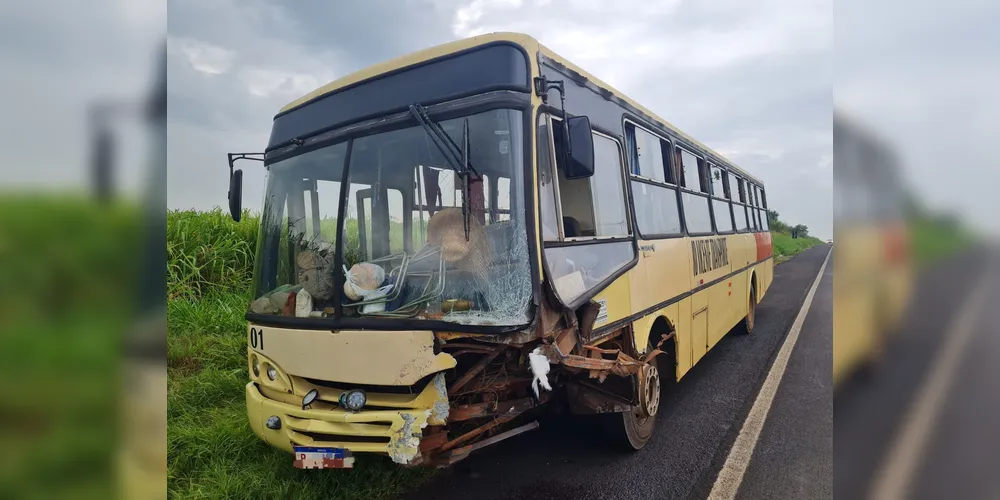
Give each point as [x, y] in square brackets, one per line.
[440, 409]
[405, 442]
[622, 365]
[480, 410]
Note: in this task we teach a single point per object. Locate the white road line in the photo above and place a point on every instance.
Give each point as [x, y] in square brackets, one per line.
[893, 479]
[731, 475]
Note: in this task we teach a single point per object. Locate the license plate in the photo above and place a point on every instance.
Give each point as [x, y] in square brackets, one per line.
[307, 457]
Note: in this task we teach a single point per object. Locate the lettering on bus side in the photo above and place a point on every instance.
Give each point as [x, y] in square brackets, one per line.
[709, 255]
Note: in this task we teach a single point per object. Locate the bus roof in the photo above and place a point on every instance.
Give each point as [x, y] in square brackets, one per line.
[531, 45]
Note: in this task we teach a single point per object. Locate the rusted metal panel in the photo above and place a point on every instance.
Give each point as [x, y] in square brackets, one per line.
[479, 410]
[475, 370]
[465, 450]
[566, 339]
[500, 420]
[432, 440]
[507, 384]
[622, 365]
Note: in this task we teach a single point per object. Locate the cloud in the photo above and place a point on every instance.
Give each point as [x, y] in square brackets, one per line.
[202, 56]
[752, 81]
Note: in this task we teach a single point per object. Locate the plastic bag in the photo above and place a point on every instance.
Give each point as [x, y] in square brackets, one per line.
[376, 294]
[362, 280]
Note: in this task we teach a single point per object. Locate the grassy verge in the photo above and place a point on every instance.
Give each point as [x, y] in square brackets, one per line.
[785, 247]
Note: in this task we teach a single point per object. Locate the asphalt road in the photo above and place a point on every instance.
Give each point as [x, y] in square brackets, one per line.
[566, 459]
[793, 457]
[962, 444]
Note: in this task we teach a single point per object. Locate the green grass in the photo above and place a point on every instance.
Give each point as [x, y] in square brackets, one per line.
[785, 246]
[66, 290]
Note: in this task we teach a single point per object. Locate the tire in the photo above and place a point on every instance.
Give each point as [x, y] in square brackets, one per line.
[746, 326]
[634, 431]
[629, 430]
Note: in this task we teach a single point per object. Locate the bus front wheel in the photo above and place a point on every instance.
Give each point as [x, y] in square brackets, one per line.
[633, 428]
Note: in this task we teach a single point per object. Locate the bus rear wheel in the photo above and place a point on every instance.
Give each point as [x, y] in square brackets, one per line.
[746, 326]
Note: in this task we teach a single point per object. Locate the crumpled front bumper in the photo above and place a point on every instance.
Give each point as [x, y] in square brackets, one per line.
[392, 426]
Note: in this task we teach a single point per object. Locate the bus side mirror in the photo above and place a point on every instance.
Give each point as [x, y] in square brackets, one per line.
[236, 194]
[581, 153]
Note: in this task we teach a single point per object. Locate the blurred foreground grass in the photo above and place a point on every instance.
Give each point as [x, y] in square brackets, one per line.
[932, 240]
[66, 297]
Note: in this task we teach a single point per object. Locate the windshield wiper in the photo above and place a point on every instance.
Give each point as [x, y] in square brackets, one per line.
[457, 158]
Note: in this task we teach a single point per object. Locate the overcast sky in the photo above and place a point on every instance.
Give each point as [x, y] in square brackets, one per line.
[752, 80]
[926, 76]
[58, 58]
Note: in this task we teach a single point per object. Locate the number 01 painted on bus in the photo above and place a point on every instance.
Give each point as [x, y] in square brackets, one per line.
[257, 338]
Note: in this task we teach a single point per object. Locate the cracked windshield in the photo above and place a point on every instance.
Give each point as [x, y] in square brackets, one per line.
[426, 235]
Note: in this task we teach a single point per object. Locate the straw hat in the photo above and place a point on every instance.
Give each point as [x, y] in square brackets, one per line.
[446, 230]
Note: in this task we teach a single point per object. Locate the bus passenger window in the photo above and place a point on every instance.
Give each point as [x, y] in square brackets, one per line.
[720, 206]
[718, 187]
[694, 199]
[691, 170]
[647, 155]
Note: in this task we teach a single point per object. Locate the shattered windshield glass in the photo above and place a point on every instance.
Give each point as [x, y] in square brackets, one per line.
[413, 246]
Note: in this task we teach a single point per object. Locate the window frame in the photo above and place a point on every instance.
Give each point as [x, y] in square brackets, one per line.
[724, 198]
[626, 194]
[671, 171]
[757, 208]
[548, 115]
[629, 127]
[678, 145]
[740, 201]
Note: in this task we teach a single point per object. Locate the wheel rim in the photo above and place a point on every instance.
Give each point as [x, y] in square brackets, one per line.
[651, 391]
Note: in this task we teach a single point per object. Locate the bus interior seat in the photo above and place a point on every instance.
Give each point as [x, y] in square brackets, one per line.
[571, 227]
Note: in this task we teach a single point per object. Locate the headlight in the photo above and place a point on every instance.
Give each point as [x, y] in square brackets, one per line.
[272, 373]
[273, 423]
[309, 398]
[256, 366]
[353, 400]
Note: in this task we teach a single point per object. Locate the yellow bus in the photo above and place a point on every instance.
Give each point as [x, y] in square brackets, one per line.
[454, 240]
[872, 259]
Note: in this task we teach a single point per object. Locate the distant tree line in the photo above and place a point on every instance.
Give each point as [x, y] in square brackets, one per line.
[776, 224]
